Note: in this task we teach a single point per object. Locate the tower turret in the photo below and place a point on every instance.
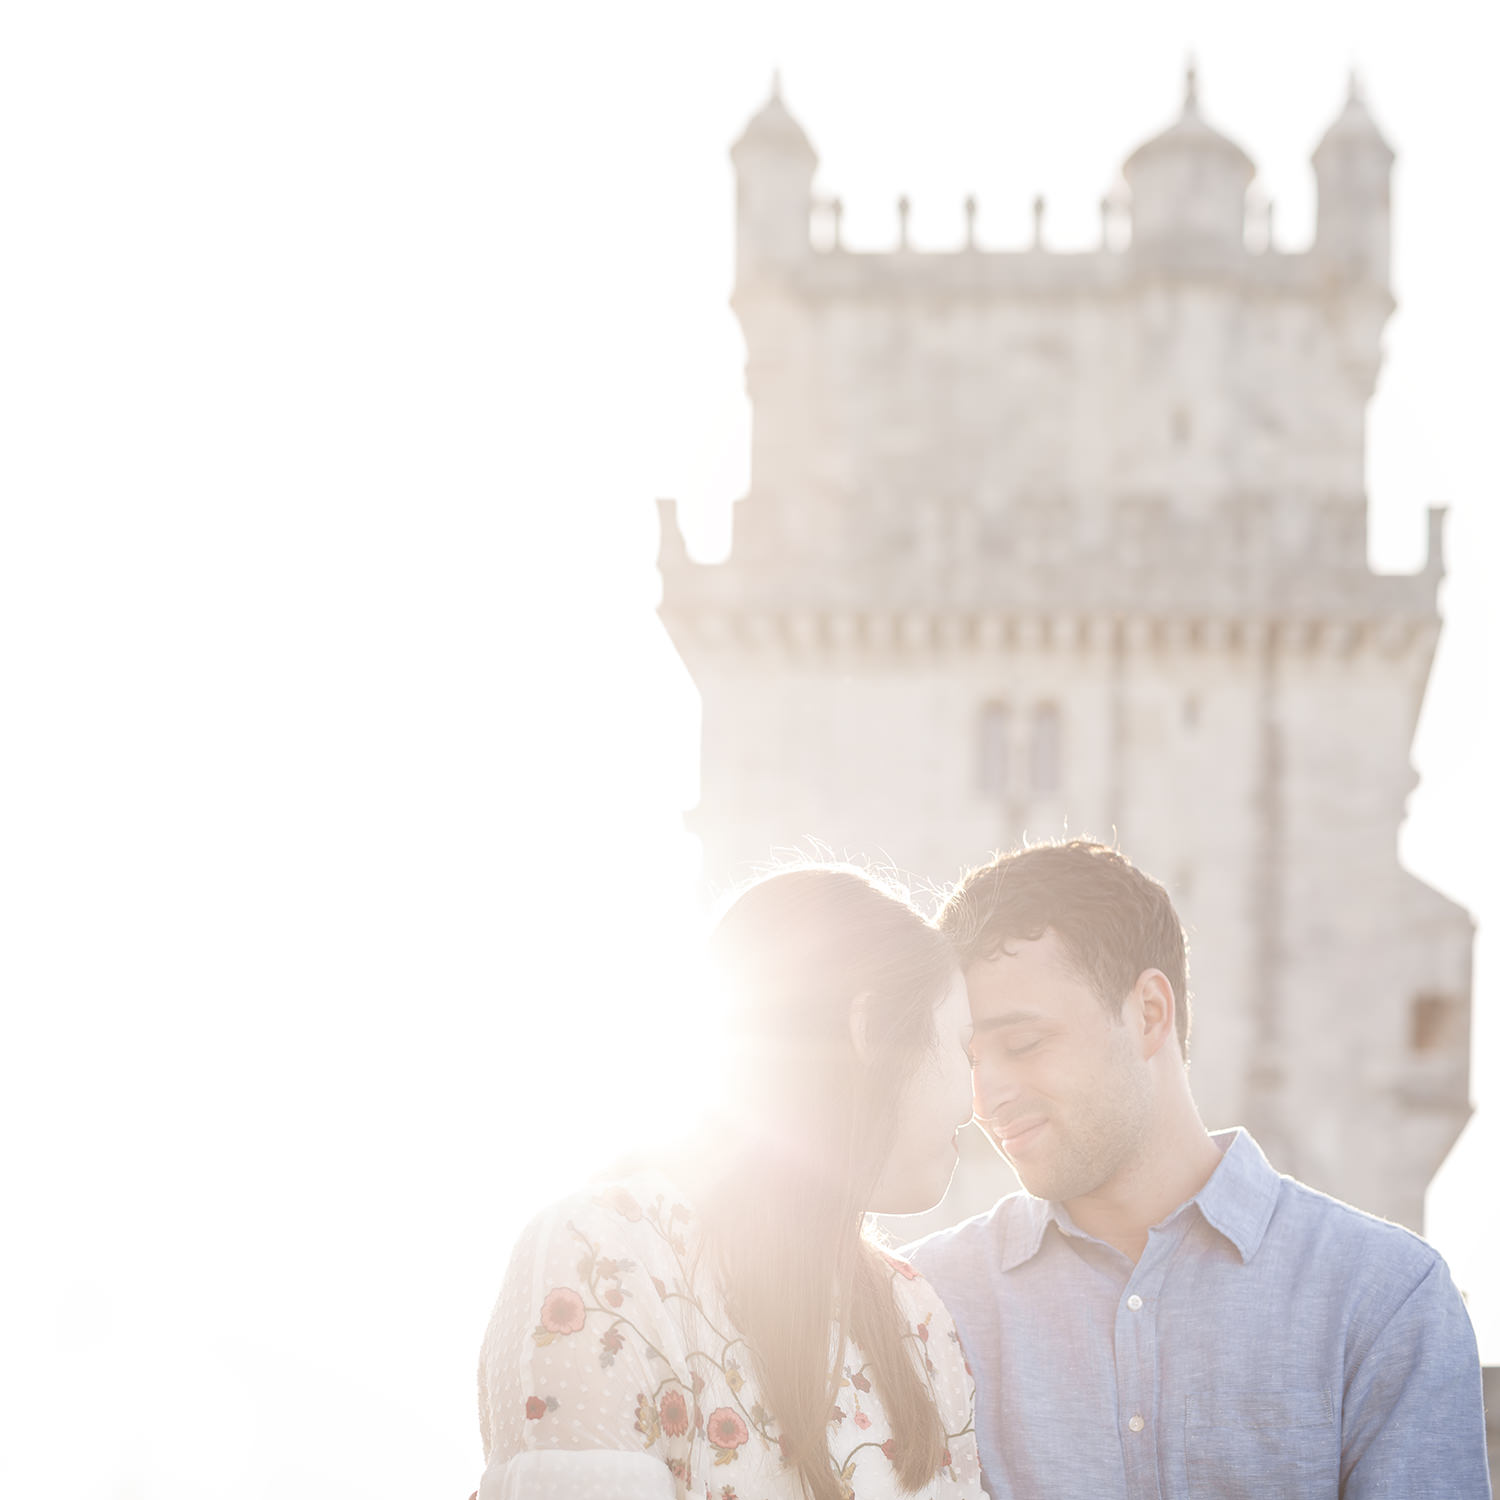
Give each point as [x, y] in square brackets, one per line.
[774, 162]
[1187, 185]
[1353, 167]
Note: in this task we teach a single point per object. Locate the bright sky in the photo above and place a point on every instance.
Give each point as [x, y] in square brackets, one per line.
[345, 901]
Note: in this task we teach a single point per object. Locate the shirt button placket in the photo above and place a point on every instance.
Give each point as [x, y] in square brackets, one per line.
[1136, 1371]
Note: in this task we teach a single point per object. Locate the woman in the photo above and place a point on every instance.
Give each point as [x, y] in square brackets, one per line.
[716, 1325]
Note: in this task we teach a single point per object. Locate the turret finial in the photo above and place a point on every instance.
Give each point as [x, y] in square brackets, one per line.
[971, 210]
[903, 213]
[776, 83]
[1190, 85]
[1038, 213]
[838, 223]
[1356, 94]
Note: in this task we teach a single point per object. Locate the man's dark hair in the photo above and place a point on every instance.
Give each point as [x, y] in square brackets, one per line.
[1112, 921]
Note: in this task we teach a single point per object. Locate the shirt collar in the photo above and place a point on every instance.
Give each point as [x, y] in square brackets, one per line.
[1240, 1197]
[1237, 1200]
[1025, 1227]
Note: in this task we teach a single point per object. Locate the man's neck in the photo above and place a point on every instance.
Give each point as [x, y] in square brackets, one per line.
[1172, 1166]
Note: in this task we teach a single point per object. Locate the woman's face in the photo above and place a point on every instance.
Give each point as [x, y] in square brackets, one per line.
[937, 1101]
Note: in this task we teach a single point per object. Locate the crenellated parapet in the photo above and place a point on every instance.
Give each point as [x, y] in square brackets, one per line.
[1188, 206]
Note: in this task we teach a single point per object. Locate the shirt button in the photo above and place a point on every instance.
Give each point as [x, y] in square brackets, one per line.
[1137, 1422]
[1133, 1302]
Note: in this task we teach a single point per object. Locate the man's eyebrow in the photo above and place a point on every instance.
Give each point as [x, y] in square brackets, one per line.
[1006, 1018]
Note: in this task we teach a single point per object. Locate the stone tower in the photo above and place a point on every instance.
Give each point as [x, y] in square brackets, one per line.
[1043, 542]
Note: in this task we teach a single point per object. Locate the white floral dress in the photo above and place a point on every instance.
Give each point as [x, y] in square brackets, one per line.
[610, 1372]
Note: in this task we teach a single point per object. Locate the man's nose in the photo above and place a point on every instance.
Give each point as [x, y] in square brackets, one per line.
[994, 1088]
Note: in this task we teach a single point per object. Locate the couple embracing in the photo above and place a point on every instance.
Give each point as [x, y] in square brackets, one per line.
[1159, 1314]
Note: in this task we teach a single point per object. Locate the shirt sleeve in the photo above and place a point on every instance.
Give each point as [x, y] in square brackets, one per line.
[1413, 1405]
[581, 1393]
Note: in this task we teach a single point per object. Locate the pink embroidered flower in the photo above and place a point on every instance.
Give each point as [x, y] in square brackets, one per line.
[535, 1408]
[674, 1414]
[861, 1421]
[614, 1296]
[947, 1459]
[901, 1266]
[725, 1429]
[922, 1332]
[623, 1204]
[860, 1382]
[562, 1310]
[888, 1447]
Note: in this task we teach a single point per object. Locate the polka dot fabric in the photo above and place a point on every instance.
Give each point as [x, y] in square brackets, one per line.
[610, 1371]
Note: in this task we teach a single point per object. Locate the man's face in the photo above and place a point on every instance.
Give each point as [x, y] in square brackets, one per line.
[1059, 1084]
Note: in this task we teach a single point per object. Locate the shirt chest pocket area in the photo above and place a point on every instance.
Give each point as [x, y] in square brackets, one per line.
[1242, 1445]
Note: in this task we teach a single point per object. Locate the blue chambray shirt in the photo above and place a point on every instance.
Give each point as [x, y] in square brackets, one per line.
[1271, 1341]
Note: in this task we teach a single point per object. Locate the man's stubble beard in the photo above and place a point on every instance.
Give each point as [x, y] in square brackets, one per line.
[1093, 1146]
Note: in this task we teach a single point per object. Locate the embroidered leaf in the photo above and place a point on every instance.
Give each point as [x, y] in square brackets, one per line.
[646, 1422]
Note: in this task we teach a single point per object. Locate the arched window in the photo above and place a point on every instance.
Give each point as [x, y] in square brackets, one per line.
[994, 749]
[1046, 750]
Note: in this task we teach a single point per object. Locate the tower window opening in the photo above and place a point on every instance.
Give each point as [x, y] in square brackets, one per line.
[1046, 750]
[1436, 1023]
[994, 749]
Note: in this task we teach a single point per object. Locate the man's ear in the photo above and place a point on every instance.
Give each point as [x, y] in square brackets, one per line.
[859, 1026]
[1158, 1010]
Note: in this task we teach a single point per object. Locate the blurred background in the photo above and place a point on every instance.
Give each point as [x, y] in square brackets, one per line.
[348, 913]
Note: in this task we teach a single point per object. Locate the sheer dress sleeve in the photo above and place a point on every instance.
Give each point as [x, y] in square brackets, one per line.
[935, 1343]
[584, 1392]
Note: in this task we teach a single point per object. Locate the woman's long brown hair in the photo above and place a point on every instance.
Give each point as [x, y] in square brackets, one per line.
[809, 1124]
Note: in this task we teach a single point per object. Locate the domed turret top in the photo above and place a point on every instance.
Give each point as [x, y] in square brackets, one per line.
[1355, 126]
[774, 129]
[1187, 187]
[1190, 132]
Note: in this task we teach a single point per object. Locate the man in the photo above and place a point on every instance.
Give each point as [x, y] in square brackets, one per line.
[1160, 1313]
